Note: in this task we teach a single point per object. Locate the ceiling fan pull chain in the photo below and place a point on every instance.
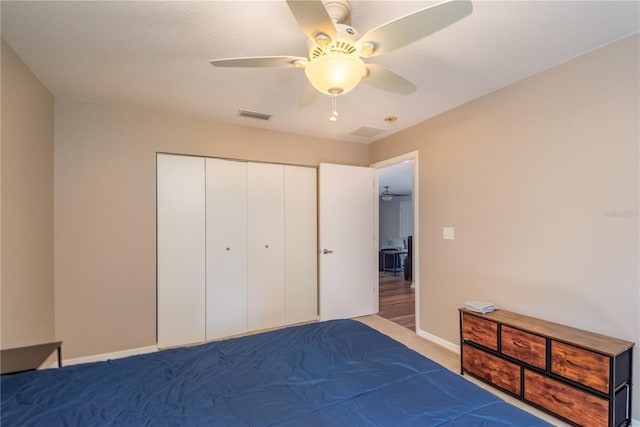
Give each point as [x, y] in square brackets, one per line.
[334, 109]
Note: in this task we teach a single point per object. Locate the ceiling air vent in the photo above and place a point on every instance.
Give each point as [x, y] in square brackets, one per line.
[367, 132]
[254, 115]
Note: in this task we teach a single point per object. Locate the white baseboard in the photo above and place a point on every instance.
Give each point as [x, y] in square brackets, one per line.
[441, 342]
[104, 356]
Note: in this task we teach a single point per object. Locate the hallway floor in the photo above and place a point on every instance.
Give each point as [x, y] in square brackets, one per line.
[397, 300]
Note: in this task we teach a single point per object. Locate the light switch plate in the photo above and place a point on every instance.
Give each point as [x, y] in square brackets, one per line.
[447, 233]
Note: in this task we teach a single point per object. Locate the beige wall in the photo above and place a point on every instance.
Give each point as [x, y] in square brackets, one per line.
[105, 210]
[27, 206]
[540, 181]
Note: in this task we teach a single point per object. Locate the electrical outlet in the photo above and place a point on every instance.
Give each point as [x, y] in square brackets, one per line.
[447, 233]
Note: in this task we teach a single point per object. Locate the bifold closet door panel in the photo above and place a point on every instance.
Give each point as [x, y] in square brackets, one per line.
[226, 248]
[266, 245]
[181, 249]
[301, 247]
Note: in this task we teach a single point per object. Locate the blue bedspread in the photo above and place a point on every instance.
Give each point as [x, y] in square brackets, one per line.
[336, 373]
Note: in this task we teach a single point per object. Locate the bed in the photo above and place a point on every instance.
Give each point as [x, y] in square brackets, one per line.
[334, 373]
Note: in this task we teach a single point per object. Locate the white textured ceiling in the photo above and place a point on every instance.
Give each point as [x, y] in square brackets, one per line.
[156, 53]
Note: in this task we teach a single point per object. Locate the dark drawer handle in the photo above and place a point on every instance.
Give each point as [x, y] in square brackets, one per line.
[585, 368]
[563, 402]
[519, 344]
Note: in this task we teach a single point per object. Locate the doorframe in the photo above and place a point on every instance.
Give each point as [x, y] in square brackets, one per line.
[411, 156]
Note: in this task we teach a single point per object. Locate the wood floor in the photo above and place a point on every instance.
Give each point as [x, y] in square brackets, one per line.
[397, 300]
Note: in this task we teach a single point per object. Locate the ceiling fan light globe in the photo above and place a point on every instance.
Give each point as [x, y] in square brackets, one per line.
[335, 73]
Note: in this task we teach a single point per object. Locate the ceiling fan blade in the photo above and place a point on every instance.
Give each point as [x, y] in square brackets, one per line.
[407, 29]
[381, 78]
[313, 18]
[309, 95]
[259, 61]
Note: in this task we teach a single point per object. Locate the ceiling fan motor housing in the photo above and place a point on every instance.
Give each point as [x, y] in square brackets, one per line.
[345, 43]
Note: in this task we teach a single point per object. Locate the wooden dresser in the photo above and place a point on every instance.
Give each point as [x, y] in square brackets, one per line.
[579, 376]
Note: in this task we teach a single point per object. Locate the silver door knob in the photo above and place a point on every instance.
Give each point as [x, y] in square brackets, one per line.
[326, 251]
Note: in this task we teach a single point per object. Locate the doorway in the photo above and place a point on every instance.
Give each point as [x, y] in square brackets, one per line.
[397, 239]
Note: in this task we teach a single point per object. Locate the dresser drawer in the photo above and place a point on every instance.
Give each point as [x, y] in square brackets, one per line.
[582, 366]
[499, 372]
[571, 403]
[526, 347]
[480, 331]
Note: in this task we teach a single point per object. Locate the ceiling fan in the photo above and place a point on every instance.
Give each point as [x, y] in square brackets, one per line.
[336, 50]
[388, 195]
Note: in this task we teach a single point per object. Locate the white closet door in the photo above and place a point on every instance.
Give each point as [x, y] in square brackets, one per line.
[266, 245]
[226, 248]
[181, 249]
[301, 248]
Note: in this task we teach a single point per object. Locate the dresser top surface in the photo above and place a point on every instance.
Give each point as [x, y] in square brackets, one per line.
[590, 340]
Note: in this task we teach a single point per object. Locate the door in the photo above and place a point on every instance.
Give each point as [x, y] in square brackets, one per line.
[265, 301]
[181, 249]
[348, 256]
[301, 244]
[226, 248]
